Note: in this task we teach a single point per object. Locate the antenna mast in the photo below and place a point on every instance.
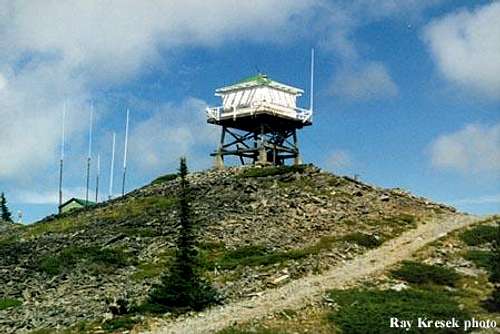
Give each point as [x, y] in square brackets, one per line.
[89, 156]
[112, 167]
[311, 96]
[97, 178]
[125, 154]
[61, 161]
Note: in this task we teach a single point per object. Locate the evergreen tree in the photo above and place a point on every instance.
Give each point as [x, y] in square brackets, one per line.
[183, 288]
[5, 214]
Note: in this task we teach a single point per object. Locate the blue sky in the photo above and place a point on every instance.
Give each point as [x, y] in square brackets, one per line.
[407, 92]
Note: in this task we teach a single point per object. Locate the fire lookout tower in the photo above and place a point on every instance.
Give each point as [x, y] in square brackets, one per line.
[259, 119]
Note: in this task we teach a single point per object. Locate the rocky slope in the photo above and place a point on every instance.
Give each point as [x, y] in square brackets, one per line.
[260, 228]
[455, 268]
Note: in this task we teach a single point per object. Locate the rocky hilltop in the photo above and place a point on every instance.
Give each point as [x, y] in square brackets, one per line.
[259, 228]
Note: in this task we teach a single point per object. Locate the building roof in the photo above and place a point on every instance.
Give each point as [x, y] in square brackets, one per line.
[259, 80]
[80, 201]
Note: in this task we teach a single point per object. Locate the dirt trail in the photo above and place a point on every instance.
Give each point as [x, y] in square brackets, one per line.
[302, 291]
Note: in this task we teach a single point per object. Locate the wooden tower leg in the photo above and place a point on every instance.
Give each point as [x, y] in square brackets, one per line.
[297, 158]
[262, 147]
[219, 159]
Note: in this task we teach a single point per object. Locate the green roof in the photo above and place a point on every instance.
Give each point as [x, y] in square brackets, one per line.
[80, 201]
[259, 78]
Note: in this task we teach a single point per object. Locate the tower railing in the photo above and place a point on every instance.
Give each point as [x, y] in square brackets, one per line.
[221, 112]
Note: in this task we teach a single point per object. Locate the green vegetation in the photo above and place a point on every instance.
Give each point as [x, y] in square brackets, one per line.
[419, 273]
[369, 311]
[135, 208]
[492, 304]
[234, 330]
[257, 255]
[148, 270]
[495, 272]
[165, 178]
[481, 258]
[127, 210]
[400, 221]
[272, 171]
[183, 288]
[8, 302]
[61, 225]
[125, 322]
[479, 235]
[5, 214]
[95, 258]
[363, 239]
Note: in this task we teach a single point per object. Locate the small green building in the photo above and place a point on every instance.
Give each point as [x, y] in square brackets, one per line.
[74, 203]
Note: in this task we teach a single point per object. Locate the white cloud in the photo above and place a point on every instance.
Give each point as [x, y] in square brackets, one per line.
[173, 131]
[487, 199]
[53, 51]
[474, 149]
[112, 39]
[371, 81]
[466, 48]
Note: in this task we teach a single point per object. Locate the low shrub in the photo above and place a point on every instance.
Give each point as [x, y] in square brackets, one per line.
[481, 258]
[123, 323]
[94, 257]
[363, 239]
[6, 303]
[260, 256]
[370, 311]
[420, 273]
[479, 235]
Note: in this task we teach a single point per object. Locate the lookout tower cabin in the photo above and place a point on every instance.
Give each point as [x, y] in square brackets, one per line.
[259, 119]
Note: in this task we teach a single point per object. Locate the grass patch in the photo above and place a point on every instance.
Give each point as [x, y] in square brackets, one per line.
[479, 235]
[369, 311]
[272, 171]
[165, 178]
[419, 273]
[126, 322]
[135, 208]
[129, 209]
[362, 239]
[101, 260]
[61, 225]
[6, 303]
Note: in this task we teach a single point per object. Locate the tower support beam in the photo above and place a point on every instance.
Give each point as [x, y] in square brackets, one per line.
[263, 144]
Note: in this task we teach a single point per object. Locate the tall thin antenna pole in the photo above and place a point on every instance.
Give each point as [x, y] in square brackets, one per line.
[61, 161]
[97, 178]
[125, 154]
[311, 96]
[112, 167]
[89, 156]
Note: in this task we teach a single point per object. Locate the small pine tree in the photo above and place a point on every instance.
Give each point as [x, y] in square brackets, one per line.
[183, 287]
[5, 214]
